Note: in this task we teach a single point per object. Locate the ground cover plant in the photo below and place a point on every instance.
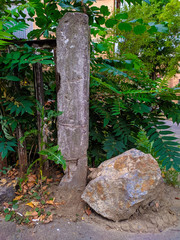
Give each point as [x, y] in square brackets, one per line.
[127, 104]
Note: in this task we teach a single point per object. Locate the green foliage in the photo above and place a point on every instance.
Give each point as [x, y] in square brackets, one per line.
[158, 47]
[55, 155]
[124, 103]
[6, 146]
[127, 106]
[143, 144]
[171, 177]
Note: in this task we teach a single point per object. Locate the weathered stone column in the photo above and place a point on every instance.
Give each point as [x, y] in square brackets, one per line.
[73, 64]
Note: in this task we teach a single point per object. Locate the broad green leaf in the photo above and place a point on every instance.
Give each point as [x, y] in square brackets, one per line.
[120, 16]
[152, 30]
[161, 28]
[139, 29]
[104, 10]
[125, 27]
[110, 23]
[102, 47]
[7, 217]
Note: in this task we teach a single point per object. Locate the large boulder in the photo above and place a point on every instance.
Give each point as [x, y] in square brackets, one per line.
[123, 184]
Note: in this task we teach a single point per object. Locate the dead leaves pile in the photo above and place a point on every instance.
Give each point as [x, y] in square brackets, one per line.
[33, 200]
[11, 181]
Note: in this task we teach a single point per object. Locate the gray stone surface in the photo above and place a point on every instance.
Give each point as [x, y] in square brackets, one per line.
[124, 184]
[73, 64]
[7, 194]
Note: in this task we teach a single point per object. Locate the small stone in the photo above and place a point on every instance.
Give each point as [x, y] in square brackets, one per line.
[7, 194]
[122, 185]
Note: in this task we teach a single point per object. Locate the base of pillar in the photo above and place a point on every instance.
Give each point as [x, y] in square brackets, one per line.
[75, 175]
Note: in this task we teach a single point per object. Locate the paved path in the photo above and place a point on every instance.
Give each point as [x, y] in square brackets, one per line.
[64, 230]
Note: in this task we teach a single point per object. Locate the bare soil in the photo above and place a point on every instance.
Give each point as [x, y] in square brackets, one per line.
[156, 219]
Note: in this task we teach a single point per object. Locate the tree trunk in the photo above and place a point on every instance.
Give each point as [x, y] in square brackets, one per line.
[39, 90]
[3, 163]
[22, 153]
[73, 64]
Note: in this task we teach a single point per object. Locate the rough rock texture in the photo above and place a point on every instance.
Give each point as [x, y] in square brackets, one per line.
[124, 184]
[7, 194]
[73, 64]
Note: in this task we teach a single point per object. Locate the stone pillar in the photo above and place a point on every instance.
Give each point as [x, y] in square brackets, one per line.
[73, 67]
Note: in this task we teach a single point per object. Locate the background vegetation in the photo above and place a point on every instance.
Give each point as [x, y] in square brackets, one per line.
[129, 102]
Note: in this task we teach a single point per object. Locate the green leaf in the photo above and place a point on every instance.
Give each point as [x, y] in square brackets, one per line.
[6, 210]
[154, 136]
[102, 47]
[120, 16]
[147, 1]
[11, 78]
[15, 206]
[139, 29]
[166, 132]
[152, 30]
[172, 143]
[169, 138]
[161, 28]
[7, 217]
[100, 20]
[125, 27]
[31, 11]
[20, 26]
[104, 10]
[106, 121]
[152, 130]
[110, 23]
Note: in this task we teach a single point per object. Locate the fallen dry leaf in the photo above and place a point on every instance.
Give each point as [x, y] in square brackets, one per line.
[14, 182]
[24, 188]
[3, 181]
[30, 204]
[60, 203]
[49, 180]
[59, 176]
[44, 187]
[6, 205]
[32, 178]
[12, 173]
[50, 202]
[31, 214]
[42, 217]
[18, 198]
[35, 203]
[30, 184]
[88, 212]
[49, 219]
[9, 184]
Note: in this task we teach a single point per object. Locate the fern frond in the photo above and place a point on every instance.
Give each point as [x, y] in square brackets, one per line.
[13, 26]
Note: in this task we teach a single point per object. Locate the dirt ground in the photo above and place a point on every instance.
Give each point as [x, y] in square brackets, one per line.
[155, 219]
[71, 222]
